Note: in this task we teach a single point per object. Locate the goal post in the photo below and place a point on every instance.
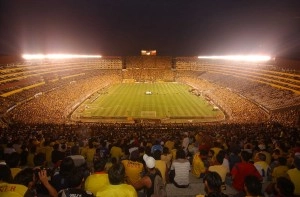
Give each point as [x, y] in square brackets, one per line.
[148, 114]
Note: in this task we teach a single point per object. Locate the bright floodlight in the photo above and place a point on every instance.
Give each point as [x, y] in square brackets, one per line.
[57, 56]
[250, 58]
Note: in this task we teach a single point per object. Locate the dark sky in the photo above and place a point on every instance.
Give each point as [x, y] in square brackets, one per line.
[172, 27]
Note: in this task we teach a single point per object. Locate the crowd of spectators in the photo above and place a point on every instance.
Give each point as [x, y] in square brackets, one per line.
[120, 149]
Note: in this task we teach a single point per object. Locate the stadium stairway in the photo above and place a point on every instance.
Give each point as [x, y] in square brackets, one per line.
[196, 187]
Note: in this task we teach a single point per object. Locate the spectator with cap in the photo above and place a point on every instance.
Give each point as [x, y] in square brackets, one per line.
[98, 179]
[117, 187]
[147, 182]
[157, 146]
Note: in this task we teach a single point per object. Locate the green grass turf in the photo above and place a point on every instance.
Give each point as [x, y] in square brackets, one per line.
[168, 100]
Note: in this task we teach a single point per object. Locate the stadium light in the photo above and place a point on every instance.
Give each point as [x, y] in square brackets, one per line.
[57, 56]
[249, 58]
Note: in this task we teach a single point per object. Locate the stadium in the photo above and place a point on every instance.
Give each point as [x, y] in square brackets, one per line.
[148, 89]
[76, 100]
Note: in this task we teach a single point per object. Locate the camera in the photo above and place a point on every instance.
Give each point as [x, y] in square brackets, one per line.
[37, 170]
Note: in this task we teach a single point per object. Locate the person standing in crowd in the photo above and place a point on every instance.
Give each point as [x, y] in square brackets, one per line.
[185, 142]
[116, 151]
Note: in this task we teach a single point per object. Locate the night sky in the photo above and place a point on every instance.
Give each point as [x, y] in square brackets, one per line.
[172, 27]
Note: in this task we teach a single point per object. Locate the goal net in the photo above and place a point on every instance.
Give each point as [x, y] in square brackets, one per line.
[148, 114]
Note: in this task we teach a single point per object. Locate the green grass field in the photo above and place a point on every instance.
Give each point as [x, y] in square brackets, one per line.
[129, 100]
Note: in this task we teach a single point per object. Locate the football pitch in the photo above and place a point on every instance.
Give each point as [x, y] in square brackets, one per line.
[130, 101]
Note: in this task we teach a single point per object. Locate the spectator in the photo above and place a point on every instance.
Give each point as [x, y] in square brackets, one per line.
[241, 170]
[284, 187]
[263, 167]
[75, 181]
[181, 166]
[280, 170]
[57, 156]
[156, 146]
[218, 167]
[5, 174]
[27, 178]
[294, 174]
[117, 187]
[147, 181]
[167, 157]
[98, 179]
[160, 165]
[59, 179]
[13, 161]
[133, 168]
[212, 185]
[253, 186]
[199, 166]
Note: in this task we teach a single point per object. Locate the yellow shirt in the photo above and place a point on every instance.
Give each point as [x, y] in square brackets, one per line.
[15, 171]
[30, 157]
[220, 169]
[133, 170]
[198, 165]
[96, 182]
[167, 158]
[116, 152]
[90, 152]
[12, 190]
[162, 167]
[278, 172]
[122, 190]
[169, 144]
[294, 175]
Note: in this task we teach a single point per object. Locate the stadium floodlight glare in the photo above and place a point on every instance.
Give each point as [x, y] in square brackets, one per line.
[249, 58]
[57, 56]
